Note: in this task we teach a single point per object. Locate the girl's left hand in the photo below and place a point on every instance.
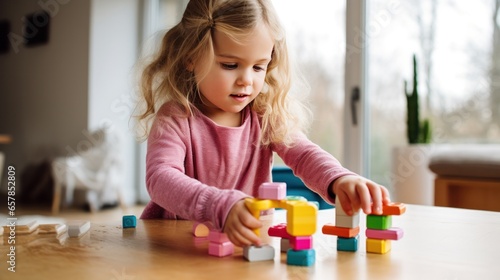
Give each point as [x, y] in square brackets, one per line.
[355, 192]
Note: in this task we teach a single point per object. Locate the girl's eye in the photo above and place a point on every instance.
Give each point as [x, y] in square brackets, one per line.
[229, 66]
[259, 68]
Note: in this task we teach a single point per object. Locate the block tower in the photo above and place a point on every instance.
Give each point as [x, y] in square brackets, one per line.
[298, 230]
[379, 230]
[346, 228]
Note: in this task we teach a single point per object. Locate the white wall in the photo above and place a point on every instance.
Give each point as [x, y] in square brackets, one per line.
[114, 33]
[43, 89]
[51, 96]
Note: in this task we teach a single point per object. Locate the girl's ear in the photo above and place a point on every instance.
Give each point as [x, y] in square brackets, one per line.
[190, 66]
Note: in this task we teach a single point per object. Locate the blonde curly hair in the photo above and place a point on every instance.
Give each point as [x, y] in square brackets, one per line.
[167, 78]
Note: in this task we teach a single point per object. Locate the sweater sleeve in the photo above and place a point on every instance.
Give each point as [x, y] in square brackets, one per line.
[316, 167]
[168, 185]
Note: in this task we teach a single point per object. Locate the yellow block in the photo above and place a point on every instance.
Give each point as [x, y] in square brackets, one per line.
[301, 218]
[378, 246]
[255, 205]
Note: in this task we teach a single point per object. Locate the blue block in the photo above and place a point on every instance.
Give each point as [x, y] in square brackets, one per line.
[347, 244]
[301, 257]
[129, 221]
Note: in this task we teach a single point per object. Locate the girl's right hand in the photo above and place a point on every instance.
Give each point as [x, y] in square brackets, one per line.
[240, 224]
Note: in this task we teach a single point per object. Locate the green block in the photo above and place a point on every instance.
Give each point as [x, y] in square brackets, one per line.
[378, 222]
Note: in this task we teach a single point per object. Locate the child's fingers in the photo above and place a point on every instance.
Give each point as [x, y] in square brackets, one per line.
[376, 194]
[364, 197]
[386, 197]
[345, 203]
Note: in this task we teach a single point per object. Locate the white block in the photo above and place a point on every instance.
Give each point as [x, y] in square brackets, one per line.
[78, 228]
[347, 221]
[254, 253]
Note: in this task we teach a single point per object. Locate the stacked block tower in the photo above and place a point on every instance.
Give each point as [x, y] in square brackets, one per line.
[346, 228]
[379, 230]
[297, 232]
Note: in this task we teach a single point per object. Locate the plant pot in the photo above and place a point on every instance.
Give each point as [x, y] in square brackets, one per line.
[412, 181]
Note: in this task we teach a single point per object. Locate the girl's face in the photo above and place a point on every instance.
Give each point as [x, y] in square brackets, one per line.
[235, 76]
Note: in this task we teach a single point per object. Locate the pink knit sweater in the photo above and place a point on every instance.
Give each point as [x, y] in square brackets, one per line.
[197, 170]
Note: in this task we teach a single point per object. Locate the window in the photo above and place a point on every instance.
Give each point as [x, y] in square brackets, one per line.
[457, 46]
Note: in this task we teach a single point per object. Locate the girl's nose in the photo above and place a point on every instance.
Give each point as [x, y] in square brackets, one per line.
[245, 78]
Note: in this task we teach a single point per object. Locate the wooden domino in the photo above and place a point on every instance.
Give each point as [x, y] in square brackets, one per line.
[56, 229]
[26, 228]
[78, 228]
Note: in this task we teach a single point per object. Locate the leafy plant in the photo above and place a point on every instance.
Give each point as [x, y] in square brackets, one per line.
[417, 131]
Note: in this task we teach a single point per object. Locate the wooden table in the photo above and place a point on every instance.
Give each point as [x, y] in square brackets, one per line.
[439, 243]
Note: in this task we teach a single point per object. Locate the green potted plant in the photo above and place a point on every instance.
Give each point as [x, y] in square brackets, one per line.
[418, 132]
[412, 181]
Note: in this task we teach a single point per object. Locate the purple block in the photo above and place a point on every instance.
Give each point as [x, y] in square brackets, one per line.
[274, 191]
[393, 233]
[217, 237]
[220, 250]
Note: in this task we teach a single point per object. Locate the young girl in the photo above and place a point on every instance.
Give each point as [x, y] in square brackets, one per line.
[217, 106]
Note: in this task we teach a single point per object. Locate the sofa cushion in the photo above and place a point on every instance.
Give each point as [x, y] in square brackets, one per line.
[469, 161]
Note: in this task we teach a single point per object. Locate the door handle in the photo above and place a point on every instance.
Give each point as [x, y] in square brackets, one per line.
[355, 96]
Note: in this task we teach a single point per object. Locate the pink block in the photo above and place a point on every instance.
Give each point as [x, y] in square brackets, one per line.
[274, 191]
[388, 234]
[301, 242]
[217, 237]
[220, 250]
[278, 230]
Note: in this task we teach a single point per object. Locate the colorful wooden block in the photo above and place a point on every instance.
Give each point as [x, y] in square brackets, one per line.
[340, 231]
[220, 249]
[378, 222]
[301, 218]
[301, 242]
[129, 221]
[285, 245]
[393, 233]
[378, 246]
[348, 244]
[278, 230]
[200, 230]
[217, 237]
[301, 258]
[78, 228]
[256, 253]
[394, 208]
[274, 191]
[347, 221]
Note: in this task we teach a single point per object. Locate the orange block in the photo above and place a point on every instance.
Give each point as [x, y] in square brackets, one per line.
[393, 208]
[340, 231]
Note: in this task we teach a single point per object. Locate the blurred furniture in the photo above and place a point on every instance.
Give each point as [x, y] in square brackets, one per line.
[468, 176]
[97, 170]
[295, 186]
[4, 139]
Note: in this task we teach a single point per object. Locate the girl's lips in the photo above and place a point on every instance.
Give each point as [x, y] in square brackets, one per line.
[240, 97]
